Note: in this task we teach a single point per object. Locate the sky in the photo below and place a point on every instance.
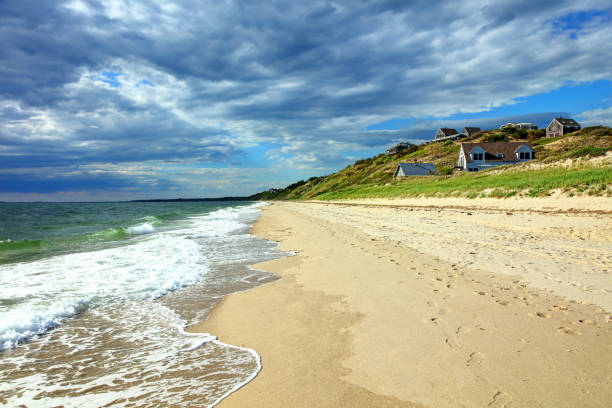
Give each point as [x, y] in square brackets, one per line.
[117, 100]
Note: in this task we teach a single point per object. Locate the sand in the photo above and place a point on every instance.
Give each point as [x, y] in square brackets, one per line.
[451, 305]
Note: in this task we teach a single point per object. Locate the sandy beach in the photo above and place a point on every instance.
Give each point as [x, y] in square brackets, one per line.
[430, 303]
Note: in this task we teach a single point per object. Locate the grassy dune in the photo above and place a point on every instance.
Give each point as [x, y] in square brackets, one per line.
[537, 182]
[588, 172]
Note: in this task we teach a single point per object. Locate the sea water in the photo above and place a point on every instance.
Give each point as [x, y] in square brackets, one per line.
[94, 299]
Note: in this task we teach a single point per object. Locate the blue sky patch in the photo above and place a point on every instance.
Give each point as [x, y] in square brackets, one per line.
[145, 82]
[111, 78]
[576, 21]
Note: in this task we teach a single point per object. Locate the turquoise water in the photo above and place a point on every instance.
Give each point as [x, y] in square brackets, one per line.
[34, 230]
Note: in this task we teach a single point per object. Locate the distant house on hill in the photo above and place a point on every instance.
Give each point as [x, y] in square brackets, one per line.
[415, 169]
[526, 126]
[560, 126]
[469, 131]
[399, 147]
[443, 133]
[482, 156]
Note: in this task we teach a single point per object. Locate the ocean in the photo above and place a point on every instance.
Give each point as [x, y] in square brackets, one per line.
[95, 297]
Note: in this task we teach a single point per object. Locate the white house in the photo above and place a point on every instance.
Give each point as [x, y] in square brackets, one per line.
[482, 156]
[524, 125]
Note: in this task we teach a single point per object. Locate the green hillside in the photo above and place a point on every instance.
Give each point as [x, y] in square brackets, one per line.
[551, 170]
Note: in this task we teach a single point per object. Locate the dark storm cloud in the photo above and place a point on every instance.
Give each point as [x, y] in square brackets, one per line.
[36, 183]
[85, 82]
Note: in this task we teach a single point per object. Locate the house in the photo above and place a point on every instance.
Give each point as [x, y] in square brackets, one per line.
[443, 133]
[399, 147]
[524, 125]
[560, 126]
[483, 156]
[415, 169]
[469, 131]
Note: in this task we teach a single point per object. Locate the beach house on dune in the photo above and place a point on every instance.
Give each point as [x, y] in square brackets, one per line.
[482, 156]
[561, 126]
[526, 126]
[469, 131]
[443, 133]
[415, 169]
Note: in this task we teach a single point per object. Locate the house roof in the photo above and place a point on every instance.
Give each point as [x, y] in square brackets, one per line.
[416, 169]
[492, 149]
[471, 130]
[448, 131]
[567, 122]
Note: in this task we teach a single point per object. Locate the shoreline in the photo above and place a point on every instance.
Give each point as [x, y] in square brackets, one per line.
[360, 319]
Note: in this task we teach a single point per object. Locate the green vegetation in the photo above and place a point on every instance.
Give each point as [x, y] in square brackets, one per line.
[487, 184]
[586, 151]
[373, 177]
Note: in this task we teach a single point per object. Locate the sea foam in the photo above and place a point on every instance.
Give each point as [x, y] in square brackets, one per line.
[45, 292]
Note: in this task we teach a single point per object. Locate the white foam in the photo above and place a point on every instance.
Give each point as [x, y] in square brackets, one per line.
[146, 228]
[52, 289]
[223, 222]
[21, 324]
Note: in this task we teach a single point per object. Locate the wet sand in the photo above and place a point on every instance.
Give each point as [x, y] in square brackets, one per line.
[446, 306]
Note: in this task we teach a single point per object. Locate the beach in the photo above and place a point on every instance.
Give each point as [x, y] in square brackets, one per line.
[429, 303]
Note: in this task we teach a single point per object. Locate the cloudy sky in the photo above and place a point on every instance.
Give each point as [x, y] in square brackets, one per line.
[114, 100]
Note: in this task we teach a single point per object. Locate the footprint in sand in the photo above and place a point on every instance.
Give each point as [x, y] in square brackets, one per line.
[476, 358]
[503, 303]
[501, 399]
[543, 315]
[586, 321]
[451, 343]
[568, 331]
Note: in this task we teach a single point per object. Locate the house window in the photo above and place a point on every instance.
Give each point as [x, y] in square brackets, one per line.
[500, 155]
[524, 156]
[477, 156]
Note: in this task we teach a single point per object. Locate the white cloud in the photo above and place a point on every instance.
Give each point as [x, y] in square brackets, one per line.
[596, 117]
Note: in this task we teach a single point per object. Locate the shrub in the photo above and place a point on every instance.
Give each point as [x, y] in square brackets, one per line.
[495, 137]
[445, 170]
[514, 132]
[536, 134]
[586, 151]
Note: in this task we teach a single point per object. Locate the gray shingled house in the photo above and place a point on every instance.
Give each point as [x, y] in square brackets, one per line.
[415, 169]
[482, 156]
[561, 126]
[469, 131]
[445, 132]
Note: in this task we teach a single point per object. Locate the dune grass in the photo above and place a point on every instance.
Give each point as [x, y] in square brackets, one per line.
[535, 182]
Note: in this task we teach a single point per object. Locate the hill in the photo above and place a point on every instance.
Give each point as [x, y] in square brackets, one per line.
[574, 163]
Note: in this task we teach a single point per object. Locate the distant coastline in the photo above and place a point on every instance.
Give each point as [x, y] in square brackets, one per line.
[155, 200]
